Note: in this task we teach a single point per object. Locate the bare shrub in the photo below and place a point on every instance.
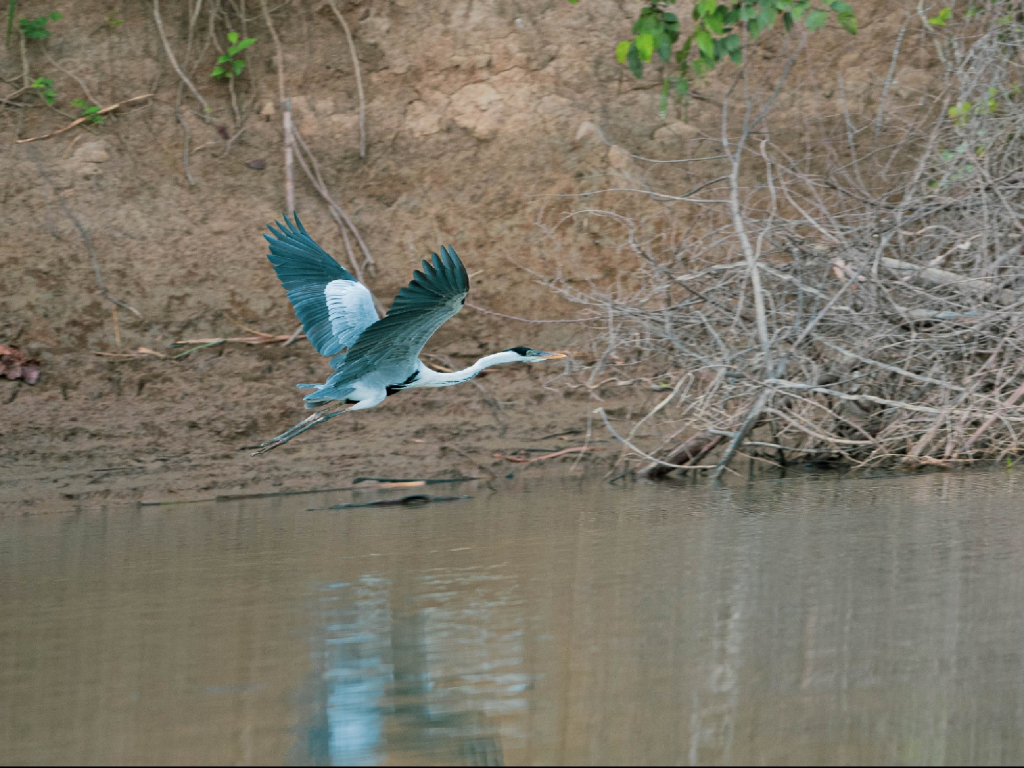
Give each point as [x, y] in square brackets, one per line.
[861, 302]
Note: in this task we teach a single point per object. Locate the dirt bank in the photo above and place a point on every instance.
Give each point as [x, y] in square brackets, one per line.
[148, 430]
[478, 116]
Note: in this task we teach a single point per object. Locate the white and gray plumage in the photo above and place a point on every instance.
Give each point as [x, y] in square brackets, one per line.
[372, 357]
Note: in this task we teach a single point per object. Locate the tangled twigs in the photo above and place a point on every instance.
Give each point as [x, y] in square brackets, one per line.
[692, 450]
[79, 121]
[174, 61]
[863, 303]
[295, 146]
[340, 216]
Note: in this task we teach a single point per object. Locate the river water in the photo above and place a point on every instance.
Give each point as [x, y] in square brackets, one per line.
[801, 620]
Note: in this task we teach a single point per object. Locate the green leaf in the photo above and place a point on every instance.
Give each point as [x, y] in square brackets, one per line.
[217, 72]
[239, 66]
[233, 37]
[848, 22]
[840, 7]
[648, 22]
[705, 43]
[664, 47]
[645, 45]
[44, 86]
[787, 20]
[223, 58]
[816, 20]
[633, 61]
[766, 19]
[245, 44]
[705, 7]
[56, 16]
[621, 50]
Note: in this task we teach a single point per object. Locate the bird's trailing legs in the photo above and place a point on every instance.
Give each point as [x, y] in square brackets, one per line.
[319, 417]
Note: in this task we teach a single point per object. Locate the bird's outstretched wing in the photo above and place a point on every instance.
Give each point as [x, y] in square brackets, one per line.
[333, 306]
[435, 294]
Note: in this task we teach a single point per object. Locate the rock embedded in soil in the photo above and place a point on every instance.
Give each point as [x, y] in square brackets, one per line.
[93, 152]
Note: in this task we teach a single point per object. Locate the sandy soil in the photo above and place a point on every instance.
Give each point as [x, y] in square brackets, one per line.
[97, 430]
[480, 118]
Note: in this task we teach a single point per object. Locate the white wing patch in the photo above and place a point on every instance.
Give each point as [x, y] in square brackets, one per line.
[350, 307]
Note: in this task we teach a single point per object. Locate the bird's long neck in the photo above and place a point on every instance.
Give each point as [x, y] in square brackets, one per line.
[431, 378]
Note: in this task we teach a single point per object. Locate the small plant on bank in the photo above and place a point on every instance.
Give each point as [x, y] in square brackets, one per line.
[35, 29]
[88, 111]
[227, 65]
[717, 33]
[44, 87]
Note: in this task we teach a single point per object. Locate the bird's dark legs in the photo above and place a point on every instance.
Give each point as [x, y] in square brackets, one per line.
[319, 417]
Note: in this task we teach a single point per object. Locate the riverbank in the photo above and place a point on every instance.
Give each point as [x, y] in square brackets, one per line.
[101, 430]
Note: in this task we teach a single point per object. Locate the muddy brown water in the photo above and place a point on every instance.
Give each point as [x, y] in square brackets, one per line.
[802, 620]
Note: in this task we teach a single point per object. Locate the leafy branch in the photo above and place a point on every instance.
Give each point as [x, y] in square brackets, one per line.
[227, 65]
[89, 111]
[716, 35]
[44, 87]
[35, 29]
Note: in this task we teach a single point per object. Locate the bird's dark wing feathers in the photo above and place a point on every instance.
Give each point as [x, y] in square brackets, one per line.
[436, 293]
[305, 270]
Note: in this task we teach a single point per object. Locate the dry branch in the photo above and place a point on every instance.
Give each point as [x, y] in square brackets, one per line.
[174, 61]
[263, 338]
[79, 121]
[546, 456]
[863, 302]
[286, 114]
[359, 77]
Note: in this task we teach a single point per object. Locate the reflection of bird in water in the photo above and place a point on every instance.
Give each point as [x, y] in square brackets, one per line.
[381, 355]
[428, 719]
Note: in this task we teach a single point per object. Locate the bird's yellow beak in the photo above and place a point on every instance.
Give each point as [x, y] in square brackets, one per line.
[551, 355]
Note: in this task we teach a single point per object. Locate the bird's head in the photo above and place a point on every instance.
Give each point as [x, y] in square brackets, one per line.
[527, 355]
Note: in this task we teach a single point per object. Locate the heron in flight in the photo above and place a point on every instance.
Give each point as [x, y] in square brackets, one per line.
[372, 357]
